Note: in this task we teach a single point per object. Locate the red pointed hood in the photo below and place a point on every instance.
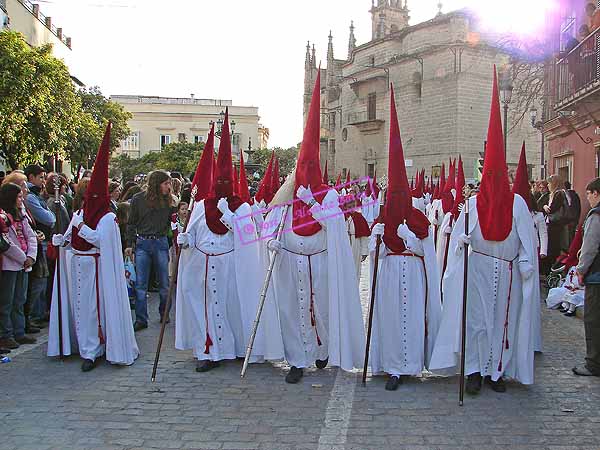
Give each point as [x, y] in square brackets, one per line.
[338, 182]
[275, 184]
[236, 182]
[203, 178]
[460, 184]
[244, 192]
[308, 167]
[265, 183]
[97, 199]
[398, 206]
[223, 183]
[495, 200]
[436, 191]
[447, 198]
[376, 188]
[348, 179]
[368, 188]
[521, 183]
[325, 175]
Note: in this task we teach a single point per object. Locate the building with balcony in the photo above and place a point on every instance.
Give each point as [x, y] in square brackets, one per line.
[441, 71]
[158, 121]
[571, 121]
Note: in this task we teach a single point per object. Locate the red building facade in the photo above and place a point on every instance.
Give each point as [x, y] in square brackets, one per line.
[572, 101]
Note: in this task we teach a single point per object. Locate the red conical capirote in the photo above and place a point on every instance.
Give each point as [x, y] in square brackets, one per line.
[265, 184]
[460, 184]
[244, 191]
[97, 199]
[495, 200]
[203, 178]
[308, 167]
[521, 182]
[398, 206]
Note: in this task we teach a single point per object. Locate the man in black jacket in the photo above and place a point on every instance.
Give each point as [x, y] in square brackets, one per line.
[575, 207]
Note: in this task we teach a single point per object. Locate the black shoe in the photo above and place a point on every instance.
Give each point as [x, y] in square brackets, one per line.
[497, 386]
[205, 365]
[9, 343]
[473, 386]
[393, 382]
[138, 326]
[25, 339]
[4, 351]
[294, 375]
[321, 363]
[569, 313]
[87, 365]
[30, 329]
[38, 323]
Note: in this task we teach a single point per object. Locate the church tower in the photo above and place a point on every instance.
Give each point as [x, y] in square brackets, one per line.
[351, 41]
[310, 75]
[388, 16]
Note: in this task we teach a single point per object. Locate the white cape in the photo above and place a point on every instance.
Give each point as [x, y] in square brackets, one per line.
[234, 281]
[410, 344]
[517, 361]
[344, 326]
[117, 326]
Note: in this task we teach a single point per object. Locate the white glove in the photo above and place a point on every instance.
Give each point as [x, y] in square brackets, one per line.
[58, 240]
[463, 239]
[77, 219]
[274, 245]
[404, 232]
[183, 239]
[461, 206]
[262, 204]
[427, 198]
[448, 230]
[223, 205]
[526, 269]
[378, 229]
[305, 194]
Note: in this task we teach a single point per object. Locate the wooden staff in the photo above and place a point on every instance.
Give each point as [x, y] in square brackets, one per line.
[263, 296]
[57, 230]
[371, 308]
[463, 343]
[172, 286]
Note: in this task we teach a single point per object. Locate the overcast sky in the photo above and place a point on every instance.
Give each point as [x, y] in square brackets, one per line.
[249, 51]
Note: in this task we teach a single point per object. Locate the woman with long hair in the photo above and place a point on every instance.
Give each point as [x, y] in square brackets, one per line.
[16, 263]
[557, 229]
[147, 229]
[80, 193]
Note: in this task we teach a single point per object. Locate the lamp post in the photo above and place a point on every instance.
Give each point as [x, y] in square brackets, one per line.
[506, 90]
[539, 126]
[220, 123]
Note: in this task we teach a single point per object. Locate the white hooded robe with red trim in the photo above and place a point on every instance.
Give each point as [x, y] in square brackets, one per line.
[493, 278]
[80, 314]
[331, 325]
[218, 288]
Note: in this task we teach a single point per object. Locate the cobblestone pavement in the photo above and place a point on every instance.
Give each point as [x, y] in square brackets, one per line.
[48, 404]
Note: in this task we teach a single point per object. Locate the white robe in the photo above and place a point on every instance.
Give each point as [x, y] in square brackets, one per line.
[488, 293]
[78, 298]
[436, 215]
[569, 292]
[405, 323]
[419, 203]
[360, 246]
[218, 284]
[337, 308]
[442, 247]
[370, 209]
[541, 229]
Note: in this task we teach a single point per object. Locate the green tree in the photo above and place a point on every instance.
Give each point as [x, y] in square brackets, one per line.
[40, 111]
[287, 159]
[180, 157]
[97, 112]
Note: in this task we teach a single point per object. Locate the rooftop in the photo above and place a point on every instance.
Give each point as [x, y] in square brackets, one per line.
[170, 100]
[34, 9]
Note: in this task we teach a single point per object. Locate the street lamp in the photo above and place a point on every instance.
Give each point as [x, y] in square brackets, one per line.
[506, 90]
[539, 126]
[220, 123]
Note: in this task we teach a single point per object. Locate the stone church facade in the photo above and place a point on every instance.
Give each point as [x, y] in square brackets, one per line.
[441, 71]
